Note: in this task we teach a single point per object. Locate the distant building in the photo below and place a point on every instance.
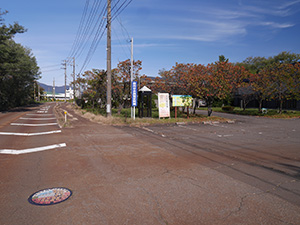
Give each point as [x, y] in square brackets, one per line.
[60, 96]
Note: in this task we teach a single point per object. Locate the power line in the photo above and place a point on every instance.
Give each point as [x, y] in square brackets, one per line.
[79, 31]
[51, 66]
[120, 9]
[46, 71]
[92, 26]
[86, 31]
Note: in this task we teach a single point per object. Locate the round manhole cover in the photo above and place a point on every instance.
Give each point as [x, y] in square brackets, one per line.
[50, 196]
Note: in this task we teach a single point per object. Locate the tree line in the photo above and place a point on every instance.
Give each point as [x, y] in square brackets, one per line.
[18, 68]
[258, 78]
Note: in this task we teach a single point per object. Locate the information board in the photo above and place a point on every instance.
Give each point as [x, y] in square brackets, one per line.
[163, 105]
[182, 100]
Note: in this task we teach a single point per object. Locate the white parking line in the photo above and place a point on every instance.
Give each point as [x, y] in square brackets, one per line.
[30, 150]
[30, 134]
[33, 125]
[38, 114]
[152, 131]
[50, 118]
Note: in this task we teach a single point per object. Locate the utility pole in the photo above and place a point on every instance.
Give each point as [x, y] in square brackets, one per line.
[64, 64]
[34, 91]
[131, 79]
[39, 94]
[74, 78]
[53, 90]
[108, 94]
[79, 83]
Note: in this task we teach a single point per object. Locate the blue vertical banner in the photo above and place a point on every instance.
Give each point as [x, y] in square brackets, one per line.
[134, 96]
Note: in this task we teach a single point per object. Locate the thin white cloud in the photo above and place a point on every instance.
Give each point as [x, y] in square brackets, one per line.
[288, 4]
[208, 22]
[277, 25]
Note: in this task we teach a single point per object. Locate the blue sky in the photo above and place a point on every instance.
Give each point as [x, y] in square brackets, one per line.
[164, 32]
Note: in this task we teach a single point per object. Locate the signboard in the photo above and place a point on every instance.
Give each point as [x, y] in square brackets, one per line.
[163, 105]
[182, 100]
[134, 94]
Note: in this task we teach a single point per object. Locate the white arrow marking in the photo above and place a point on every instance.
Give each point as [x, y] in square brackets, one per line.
[33, 125]
[30, 150]
[30, 134]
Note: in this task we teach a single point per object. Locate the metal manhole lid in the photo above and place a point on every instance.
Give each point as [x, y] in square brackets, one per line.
[50, 196]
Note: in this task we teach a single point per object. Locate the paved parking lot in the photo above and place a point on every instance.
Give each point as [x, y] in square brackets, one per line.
[242, 173]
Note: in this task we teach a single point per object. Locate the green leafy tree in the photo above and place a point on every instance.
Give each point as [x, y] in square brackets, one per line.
[121, 84]
[8, 32]
[18, 69]
[284, 81]
[95, 81]
[285, 58]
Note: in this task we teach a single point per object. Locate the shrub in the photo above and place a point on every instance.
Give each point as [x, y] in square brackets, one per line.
[227, 108]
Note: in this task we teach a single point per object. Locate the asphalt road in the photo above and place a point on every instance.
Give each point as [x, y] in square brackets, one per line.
[241, 173]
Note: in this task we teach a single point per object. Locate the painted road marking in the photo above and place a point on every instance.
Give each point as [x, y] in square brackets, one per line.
[152, 131]
[33, 125]
[30, 134]
[30, 150]
[39, 114]
[50, 118]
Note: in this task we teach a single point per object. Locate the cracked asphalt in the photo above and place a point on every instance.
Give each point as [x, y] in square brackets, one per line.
[241, 173]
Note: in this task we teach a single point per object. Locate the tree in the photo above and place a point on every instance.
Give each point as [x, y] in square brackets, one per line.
[179, 74]
[284, 81]
[285, 58]
[18, 68]
[18, 71]
[223, 59]
[96, 87]
[8, 32]
[121, 75]
[254, 64]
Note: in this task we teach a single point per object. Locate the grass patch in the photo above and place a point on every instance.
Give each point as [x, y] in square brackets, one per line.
[271, 113]
[124, 118]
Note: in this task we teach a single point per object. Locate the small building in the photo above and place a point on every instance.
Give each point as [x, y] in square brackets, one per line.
[60, 96]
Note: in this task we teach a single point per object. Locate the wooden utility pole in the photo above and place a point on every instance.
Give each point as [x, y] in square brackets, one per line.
[34, 90]
[74, 78]
[53, 90]
[64, 64]
[39, 93]
[108, 94]
[131, 78]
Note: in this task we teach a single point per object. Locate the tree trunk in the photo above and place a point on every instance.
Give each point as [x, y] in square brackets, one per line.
[196, 105]
[120, 108]
[280, 106]
[209, 107]
[260, 105]
[209, 110]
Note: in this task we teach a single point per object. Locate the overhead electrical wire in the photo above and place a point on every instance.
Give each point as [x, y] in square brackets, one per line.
[121, 9]
[79, 31]
[98, 36]
[92, 28]
[87, 30]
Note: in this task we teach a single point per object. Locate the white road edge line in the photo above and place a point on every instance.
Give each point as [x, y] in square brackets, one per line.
[30, 150]
[33, 125]
[30, 134]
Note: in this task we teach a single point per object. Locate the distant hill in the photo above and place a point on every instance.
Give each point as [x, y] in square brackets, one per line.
[58, 89]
